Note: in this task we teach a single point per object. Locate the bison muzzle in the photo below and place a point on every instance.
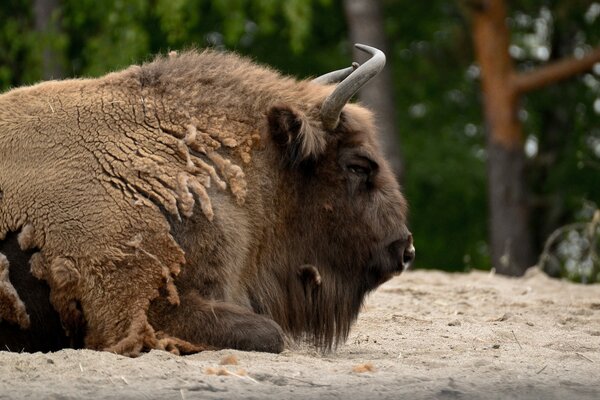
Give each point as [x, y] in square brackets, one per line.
[199, 201]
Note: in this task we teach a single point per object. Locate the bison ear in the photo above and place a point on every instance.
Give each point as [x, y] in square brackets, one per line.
[294, 135]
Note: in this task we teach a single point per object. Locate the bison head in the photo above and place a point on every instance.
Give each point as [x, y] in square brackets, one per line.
[340, 229]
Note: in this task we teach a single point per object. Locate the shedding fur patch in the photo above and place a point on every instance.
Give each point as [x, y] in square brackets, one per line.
[168, 272]
[64, 273]
[38, 265]
[26, 238]
[179, 178]
[64, 278]
[12, 308]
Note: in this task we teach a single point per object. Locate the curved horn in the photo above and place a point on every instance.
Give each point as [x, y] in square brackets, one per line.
[336, 76]
[333, 104]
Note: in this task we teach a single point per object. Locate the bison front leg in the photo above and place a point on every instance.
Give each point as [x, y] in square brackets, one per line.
[217, 324]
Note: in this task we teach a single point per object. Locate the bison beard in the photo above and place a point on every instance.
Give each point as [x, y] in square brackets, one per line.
[199, 201]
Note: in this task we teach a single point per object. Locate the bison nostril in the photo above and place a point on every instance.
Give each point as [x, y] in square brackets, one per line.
[408, 256]
[407, 252]
[403, 252]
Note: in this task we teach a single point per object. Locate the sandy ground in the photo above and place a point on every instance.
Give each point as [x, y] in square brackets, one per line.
[421, 335]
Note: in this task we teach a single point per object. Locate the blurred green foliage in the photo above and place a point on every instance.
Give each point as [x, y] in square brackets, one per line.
[435, 83]
[17, 44]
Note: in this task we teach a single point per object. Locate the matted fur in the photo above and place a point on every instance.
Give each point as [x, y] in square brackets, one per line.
[157, 198]
[12, 308]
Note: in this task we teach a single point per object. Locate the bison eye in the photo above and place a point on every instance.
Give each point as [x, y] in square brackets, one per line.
[361, 165]
[360, 169]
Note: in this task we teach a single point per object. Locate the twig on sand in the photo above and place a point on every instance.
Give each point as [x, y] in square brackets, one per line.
[542, 370]
[125, 380]
[241, 374]
[584, 357]
[307, 382]
[517, 340]
[243, 377]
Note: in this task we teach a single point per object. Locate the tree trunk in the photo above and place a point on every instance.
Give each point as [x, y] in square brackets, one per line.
[365, 24]
[511, 241]
[46, 24]
[511, 244]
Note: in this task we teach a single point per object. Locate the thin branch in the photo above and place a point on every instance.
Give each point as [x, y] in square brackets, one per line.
[517, 340]
[551, 73]
[540, 371]
[584, 357]
[552, 238]
[590, 229]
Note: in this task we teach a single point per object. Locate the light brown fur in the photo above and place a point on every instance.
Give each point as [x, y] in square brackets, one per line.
[12, 308]
[168, 197]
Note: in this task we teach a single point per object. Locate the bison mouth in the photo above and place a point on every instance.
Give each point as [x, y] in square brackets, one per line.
[390, 260]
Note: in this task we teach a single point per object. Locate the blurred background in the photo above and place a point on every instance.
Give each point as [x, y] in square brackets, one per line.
[489, 110]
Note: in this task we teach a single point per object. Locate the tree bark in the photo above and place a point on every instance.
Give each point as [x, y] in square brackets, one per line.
[45, 25]
[365, 24]
[510, 238]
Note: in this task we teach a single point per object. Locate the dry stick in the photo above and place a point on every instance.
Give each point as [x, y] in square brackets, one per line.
[584, 357]
[517, 340]
[590, 227]
[541, 370]
[552, 238]
[307, 382]
[243, 377]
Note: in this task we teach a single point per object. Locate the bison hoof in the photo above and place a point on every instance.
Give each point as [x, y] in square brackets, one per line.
[258, 334]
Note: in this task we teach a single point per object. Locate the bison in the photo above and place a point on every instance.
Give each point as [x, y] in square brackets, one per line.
[197, 201]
